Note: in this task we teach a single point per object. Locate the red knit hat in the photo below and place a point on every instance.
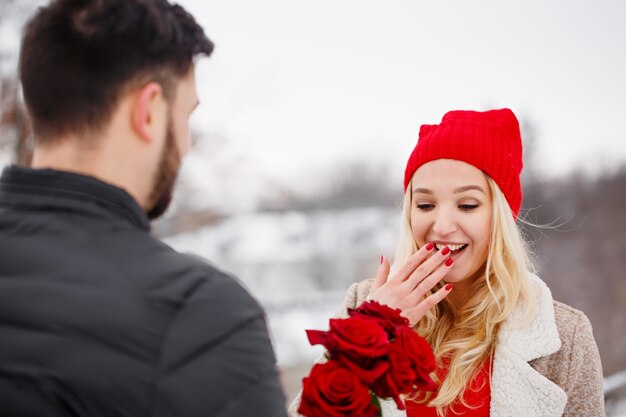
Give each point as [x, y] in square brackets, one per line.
[489, 140]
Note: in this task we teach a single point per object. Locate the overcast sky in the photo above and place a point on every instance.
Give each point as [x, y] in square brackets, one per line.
[301, 85]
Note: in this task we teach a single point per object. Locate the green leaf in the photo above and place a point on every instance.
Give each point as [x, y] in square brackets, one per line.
[376, 403]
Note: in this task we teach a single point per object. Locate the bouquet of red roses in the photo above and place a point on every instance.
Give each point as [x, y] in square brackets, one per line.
[372, 354]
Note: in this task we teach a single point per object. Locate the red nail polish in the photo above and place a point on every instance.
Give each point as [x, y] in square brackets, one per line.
[445, 251]
[449, 261]
[449, 287]
[430, 246]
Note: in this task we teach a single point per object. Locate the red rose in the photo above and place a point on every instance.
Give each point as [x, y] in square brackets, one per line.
[385, 316]
[367, 370]
[358, 343]
[399, 379]
[420, 355]
[358, 338]
[330, 390]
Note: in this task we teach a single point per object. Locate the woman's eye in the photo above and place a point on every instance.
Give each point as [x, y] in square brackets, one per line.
[468, 207]
[424, 206]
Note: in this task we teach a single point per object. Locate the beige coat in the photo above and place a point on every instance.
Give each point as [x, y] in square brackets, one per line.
[548, 368]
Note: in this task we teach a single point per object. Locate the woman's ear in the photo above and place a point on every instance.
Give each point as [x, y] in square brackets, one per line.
[147, 111]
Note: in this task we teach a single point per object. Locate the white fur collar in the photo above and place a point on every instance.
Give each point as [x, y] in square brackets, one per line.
[517, 390]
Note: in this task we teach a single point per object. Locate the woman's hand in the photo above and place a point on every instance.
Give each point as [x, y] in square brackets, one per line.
[407, 288]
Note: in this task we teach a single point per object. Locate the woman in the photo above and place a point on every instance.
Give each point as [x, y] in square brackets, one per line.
[463, 278]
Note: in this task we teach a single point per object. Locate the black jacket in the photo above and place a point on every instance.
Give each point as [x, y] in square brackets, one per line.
[98, 318]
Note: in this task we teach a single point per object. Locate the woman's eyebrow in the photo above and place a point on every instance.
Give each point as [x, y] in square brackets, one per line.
[469, 187]
[456, 190]
[422, 191]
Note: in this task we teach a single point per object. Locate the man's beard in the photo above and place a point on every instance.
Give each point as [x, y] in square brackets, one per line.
[165, 178]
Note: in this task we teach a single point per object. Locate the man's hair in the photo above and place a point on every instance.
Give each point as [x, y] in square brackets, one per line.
[79, 56]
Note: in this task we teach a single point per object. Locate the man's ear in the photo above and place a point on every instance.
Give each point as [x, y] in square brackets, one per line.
[145, 116]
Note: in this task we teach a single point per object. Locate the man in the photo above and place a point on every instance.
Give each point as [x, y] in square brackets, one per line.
[97, 318]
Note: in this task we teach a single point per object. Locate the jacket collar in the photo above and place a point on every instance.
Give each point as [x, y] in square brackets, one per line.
[518, 390]
[60, 190]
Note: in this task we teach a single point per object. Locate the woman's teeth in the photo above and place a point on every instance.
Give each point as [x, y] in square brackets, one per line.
[453, 248]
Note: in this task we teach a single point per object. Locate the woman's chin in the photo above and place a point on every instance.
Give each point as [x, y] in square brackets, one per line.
[459, 275]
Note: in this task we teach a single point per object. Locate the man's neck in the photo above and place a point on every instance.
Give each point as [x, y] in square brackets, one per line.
[98, 163]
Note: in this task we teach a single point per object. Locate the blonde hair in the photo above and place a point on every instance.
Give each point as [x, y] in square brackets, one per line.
[466, 337]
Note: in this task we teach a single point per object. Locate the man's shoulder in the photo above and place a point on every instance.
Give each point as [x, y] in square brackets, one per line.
[174, 262]
[190, 261]
[218, 283]
[210, 279]
[186, 279]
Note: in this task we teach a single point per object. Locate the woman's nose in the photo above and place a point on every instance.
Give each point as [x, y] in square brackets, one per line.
[444, 223]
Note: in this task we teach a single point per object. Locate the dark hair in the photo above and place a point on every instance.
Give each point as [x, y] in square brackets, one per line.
[79, 56]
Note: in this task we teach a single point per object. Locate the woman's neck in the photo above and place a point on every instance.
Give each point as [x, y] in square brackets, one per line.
[464, 289]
